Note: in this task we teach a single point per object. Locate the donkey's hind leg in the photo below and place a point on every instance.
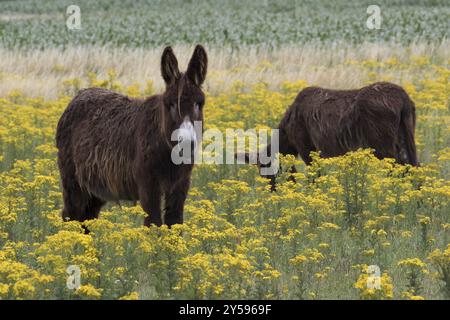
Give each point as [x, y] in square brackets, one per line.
[79, 205]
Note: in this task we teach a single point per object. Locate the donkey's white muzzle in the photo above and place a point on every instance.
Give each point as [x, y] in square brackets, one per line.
[186, 133]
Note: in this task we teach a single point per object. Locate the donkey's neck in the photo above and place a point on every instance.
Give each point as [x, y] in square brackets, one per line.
[155, 117]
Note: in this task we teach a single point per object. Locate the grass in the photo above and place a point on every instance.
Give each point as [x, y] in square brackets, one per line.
[45, 73]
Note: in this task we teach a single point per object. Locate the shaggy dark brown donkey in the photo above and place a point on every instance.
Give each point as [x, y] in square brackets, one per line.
[380, 116]
[111, 147]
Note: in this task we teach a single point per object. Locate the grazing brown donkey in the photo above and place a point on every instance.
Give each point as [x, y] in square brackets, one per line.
[380, 116]
[111, 147]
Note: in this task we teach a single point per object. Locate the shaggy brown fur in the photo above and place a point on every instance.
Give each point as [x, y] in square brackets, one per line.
[111, 147]
[380, 116]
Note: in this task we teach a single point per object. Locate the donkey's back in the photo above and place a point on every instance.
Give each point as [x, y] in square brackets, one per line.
[380, 116]
[96, 139]
[97, 108]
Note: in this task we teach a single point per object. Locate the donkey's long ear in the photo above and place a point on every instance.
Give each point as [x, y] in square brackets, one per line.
[169, 66]
[198, 66]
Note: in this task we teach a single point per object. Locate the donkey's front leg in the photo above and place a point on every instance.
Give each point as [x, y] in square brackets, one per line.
[150, 198]
[175, 198]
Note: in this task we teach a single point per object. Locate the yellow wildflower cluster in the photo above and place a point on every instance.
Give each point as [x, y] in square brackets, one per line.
[371, 289]
[239, 240]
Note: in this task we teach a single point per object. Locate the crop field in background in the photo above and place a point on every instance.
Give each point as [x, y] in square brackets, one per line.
[233, 23]
[314, 239]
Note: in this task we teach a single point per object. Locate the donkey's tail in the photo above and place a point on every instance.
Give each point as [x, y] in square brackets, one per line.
[407, 127]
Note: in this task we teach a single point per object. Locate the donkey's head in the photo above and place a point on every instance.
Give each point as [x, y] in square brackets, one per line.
[183, 98]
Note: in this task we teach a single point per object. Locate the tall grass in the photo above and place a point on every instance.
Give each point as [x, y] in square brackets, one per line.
[44, 73]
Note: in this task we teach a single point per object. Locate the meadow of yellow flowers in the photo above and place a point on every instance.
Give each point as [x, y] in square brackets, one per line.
[314, 239]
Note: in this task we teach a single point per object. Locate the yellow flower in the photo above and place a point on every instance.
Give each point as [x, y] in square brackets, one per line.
[425, 220]
[381, 233]
[324, 245]
[131, 296]
[413, 262]
[320, 275]
[406, 234]
[329, 225]
[410, 296]
[88, 291]
[297, 260]
[368, 252]
[380, 289]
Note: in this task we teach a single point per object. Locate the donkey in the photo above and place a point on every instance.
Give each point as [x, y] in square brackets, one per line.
[112, 147]
[380, 116]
